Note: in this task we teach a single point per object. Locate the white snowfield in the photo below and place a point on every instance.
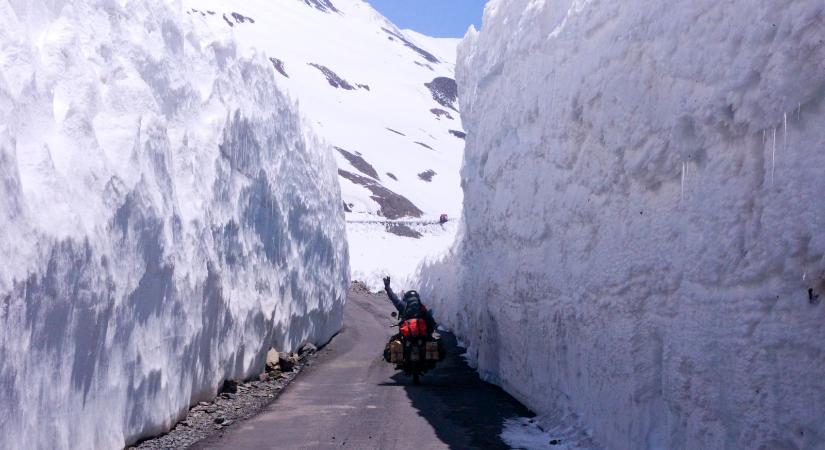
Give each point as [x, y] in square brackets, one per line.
[362, 85]
[374, 83]
[644, 216]
[166, 219]
[376, 253]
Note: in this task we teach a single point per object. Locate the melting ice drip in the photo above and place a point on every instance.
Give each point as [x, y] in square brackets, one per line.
[784, 140]
[773, 155]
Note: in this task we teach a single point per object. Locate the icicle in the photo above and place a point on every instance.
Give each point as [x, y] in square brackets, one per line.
[773, 155]
[798, 110]
[785, 133]
[684, 168]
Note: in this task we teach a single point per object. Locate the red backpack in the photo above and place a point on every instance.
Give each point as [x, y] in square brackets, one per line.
[412, 328]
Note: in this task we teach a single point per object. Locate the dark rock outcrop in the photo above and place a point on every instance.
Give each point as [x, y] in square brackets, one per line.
[287, 361]
[359, 163]
[393, 206]
[307, 349]
[427, 175]
[229, 386]
[458, 134]
[445, 91]
[237, 18]
[240, 18]
[279, 66]
[332, 78]
[440, 112]
[322, 5]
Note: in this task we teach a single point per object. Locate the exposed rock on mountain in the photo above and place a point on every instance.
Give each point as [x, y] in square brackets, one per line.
[279, 66]
[381, 112]
[240, 18]
[322, 5]
[427, 175]
[441, 113]
[393, 206]
[332, 78]
[444, 91]
[359, 163]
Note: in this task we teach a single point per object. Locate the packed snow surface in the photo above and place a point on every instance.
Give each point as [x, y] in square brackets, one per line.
[166, 219]
[642, 242]
[362, 84]
[523, 433]
[376, 253]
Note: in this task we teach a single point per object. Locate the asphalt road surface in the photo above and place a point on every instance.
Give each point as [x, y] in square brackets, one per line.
[350, 398]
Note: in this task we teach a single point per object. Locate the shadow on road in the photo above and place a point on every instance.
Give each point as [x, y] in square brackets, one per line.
[465, 411]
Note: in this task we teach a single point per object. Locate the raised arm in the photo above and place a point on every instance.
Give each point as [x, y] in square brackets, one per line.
[399, 305]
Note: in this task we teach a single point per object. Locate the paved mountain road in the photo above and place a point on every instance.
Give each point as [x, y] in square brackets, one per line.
[350, 398]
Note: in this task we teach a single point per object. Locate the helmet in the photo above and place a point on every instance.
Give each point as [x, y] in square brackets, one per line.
[410, 294]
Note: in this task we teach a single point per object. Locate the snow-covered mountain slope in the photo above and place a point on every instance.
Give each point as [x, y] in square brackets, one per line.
[642, 240]
[166, 218]
[385, 98]
[363, 83]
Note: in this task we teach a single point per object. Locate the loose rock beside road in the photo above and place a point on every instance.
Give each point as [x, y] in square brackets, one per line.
[236, 400]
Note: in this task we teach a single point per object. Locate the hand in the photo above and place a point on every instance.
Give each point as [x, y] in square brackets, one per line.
[386, 282]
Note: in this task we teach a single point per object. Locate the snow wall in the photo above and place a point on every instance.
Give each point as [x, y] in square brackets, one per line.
[644, 215]
[166, 219]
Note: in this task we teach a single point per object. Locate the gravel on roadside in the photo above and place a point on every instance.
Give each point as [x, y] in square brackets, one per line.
[237, 400]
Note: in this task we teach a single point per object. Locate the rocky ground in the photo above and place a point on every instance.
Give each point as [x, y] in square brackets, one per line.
[238, 400]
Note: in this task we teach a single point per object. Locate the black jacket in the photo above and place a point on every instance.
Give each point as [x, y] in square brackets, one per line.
[401, 305]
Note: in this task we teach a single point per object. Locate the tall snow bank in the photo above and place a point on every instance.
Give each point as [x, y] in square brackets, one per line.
[644, 217]
[165, 221]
